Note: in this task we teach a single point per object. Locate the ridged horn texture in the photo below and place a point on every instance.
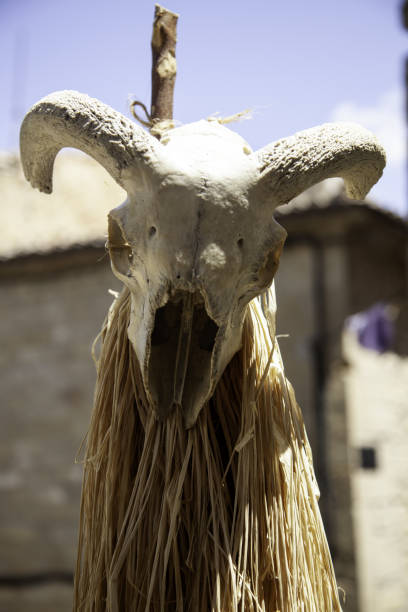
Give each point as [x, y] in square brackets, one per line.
[71, 119]
[346, 150]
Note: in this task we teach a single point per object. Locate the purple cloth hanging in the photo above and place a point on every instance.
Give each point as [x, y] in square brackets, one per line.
[374, 328]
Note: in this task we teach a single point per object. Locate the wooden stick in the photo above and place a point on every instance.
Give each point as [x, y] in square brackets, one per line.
[164, 66]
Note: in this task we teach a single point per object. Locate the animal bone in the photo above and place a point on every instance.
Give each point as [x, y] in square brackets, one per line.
[196, 240]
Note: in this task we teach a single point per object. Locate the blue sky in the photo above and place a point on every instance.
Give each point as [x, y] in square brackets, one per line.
[295, 64]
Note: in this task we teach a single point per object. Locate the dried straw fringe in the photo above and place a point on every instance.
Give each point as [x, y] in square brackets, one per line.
[220, 517]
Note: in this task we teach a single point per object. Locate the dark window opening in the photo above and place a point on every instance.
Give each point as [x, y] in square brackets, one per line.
[368, 457]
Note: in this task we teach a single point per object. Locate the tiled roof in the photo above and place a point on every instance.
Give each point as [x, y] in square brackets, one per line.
[74, 214]
[330, 194]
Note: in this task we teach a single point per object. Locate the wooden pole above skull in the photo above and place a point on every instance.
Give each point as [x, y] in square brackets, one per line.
[164, 65]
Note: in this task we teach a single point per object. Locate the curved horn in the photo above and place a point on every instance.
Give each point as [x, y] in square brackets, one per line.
[346, 150]
[71, 119]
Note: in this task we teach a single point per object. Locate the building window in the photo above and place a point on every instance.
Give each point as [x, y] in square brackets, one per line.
[368, 458]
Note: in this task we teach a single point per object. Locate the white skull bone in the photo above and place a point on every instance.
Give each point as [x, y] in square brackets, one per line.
[195, 240]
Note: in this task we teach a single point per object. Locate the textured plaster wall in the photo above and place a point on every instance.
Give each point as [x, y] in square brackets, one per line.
[377, 406]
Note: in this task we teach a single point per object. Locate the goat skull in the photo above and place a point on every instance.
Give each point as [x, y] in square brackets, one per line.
[195, 240]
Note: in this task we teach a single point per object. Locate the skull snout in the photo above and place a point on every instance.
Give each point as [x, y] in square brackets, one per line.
[181, 351]
[210, 262]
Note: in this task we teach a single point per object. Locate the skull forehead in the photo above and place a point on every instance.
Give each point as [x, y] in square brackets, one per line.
[210, 132]
[211, 149]
[192, 208]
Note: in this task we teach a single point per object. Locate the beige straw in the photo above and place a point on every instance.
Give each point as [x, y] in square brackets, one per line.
[222, 517]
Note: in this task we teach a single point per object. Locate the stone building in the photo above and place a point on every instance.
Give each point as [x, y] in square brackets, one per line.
[343, 257]
[55, 277]
[340, 258]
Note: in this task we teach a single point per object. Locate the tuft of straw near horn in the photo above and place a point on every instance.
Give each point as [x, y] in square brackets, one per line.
[223, 516]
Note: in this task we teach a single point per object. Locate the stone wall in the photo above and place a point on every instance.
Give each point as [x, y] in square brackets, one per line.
[53, 307]
[297, 322]
[47, 375]
[313, 302]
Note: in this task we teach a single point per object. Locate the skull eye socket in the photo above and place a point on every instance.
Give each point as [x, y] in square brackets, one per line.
[121, 257]
[120, 250]
[240, 243]
[268, 270]
[152, 231]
